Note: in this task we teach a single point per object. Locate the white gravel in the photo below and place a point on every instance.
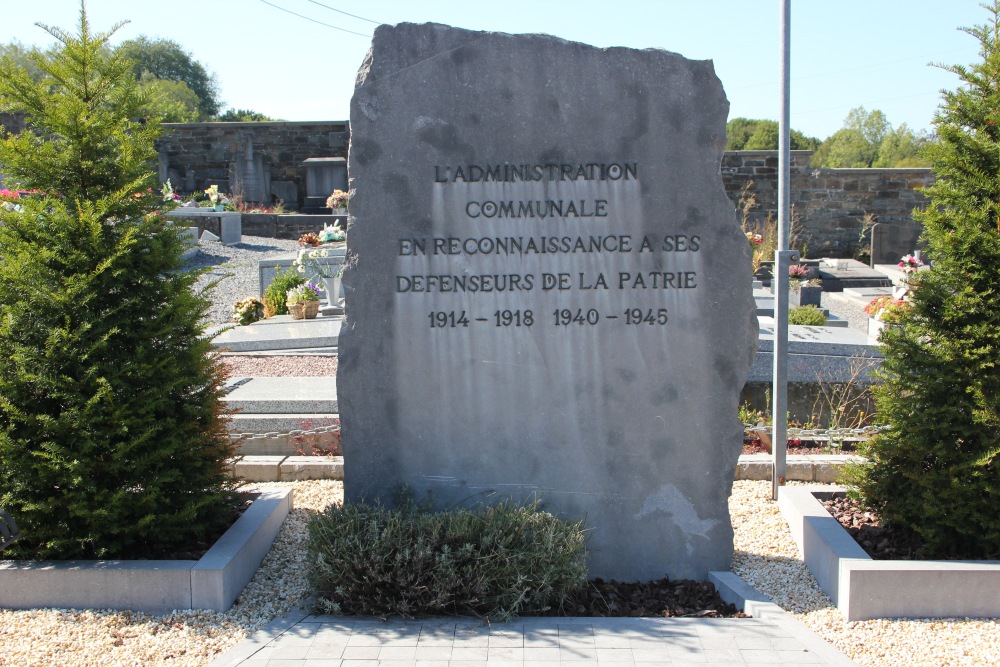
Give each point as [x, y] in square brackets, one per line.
[765, 556]
[235, 267]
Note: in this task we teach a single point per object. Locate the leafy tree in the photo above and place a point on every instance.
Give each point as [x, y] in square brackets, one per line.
[166, 59]
[869, 140]
[21, 55]
[112, 441]
[936, 469]
[243, 116]
[762, 135]
[171, 101]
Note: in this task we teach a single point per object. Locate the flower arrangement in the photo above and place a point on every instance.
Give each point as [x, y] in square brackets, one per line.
[168, 192]
[887, 309]
[910, 264]
[307, 292]
[310, 259]
[754, 238]
[309, 238]
[248, 310]
[338, 199]
[8, 201]
[213, 194]
[798, 272]
[330, 234]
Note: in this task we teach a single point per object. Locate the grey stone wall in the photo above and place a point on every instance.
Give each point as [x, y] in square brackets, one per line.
[196, 155]
[830, 204]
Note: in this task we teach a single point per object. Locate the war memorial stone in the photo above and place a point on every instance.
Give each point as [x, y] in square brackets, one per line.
[540, 293]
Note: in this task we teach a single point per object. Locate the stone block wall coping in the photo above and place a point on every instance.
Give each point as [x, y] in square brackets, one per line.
[863, 588]
[152, 586]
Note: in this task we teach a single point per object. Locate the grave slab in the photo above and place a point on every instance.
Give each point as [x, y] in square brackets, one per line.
[281, 332]
[288, 395]
[537, 309]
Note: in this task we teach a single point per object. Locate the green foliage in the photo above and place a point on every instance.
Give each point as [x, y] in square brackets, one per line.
[21, 56]
[869, 140]
[809, 316]
[275, 294]
[746, 134]
[112, 438]
[494, 561]
[242, 116]
[936, 469]
[166, 59]
[171, 101]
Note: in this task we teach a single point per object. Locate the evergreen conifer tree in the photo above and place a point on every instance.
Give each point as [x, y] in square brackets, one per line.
[112, 438]
[936, 470]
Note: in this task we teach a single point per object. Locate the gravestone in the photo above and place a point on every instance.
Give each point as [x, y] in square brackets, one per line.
[540, 293]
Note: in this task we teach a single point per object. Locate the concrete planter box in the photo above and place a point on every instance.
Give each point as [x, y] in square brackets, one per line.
[806, 295]
[152, 586]
[863, 588]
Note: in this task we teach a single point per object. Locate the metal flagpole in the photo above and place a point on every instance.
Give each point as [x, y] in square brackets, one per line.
[783, 257]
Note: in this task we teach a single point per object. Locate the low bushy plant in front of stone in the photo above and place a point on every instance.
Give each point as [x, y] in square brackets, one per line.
[112, 438]
[809, 316]
[495, 562]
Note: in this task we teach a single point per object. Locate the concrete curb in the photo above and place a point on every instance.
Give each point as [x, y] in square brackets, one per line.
[733, 589]
[152, 586]
[863, 588]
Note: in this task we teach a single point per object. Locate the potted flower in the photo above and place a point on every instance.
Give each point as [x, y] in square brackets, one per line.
[303, 301]
[248, 311]
[308, 264]
[338, 202]
[884, 311]
[215, 197]
[803, 292]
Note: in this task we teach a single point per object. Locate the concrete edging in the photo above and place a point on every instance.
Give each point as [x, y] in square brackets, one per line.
[863, 588]
[734, 590]
[153, 586]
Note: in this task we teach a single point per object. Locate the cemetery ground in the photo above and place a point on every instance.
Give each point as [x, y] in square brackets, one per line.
[766, 557]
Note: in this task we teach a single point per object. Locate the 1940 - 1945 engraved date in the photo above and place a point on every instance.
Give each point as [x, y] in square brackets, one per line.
[561, 317]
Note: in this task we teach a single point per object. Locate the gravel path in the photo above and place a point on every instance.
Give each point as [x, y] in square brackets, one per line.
[766, 557]
[235, 267]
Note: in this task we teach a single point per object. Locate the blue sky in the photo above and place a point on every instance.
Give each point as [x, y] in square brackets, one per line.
[871, 53]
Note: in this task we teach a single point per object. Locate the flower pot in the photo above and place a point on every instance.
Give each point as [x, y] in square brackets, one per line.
[806, 295]
[333, 291]
[219, 207]
[303, 310]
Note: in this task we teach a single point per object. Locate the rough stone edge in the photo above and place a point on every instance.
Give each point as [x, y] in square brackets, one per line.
[864, 589]
[735, 590]
[226, 562]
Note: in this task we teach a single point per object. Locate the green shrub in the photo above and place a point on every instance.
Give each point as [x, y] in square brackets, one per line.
[494, 561]
[276, 292]
[112, 438]
[806, 315]
[936, 469]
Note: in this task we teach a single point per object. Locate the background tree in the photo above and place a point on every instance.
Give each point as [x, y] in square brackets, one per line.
[869, 140]
[167, 60]
[243, 116]
[112, 441]
[746, 134]
[936, 469]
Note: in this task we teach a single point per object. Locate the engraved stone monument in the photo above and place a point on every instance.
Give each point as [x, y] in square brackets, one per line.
[541, 299]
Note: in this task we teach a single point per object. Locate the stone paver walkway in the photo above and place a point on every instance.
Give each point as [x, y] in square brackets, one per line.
[301, 640]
